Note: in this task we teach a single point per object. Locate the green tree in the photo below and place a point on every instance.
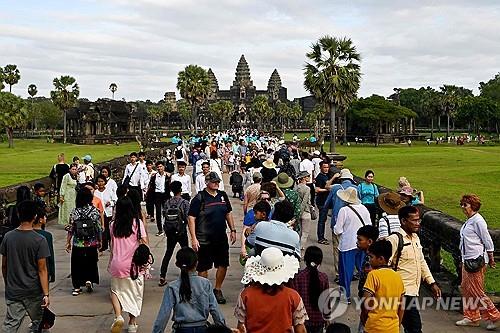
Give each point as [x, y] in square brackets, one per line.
[13, 114]
[282, 112]
[477, 111]
[2, 79]
[491, 89]
[65, 96]
[375, 110]
[32, 90]
[193, 84]
[313, 119]
[183, 108]
[261, 110]
[295, 112]
[11, 75]
[113, 87]
[156, 113]
[451, 97]
[222, 111]
[48, 115]
[333, 76]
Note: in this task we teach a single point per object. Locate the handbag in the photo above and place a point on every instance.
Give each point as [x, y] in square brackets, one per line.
[142, 256]
[126, 181]
[314, 213]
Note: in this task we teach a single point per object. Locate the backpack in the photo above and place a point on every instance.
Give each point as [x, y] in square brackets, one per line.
[178, 153]
[236, 182]
[85, 227]
[173, 216]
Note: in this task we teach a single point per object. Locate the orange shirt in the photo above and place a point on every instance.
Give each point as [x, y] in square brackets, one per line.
[97, 203]
[264, 313]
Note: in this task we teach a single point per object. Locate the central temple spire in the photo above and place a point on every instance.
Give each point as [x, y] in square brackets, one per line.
[242, 75]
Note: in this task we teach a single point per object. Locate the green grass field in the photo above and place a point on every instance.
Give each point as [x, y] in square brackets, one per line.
[31, 159]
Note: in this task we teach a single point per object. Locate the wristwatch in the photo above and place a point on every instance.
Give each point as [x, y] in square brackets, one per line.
[233, 230]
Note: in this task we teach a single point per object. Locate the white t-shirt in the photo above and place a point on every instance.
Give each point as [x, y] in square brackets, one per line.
[200, 183]
[348, 224]
[185, 181]
[107, 196]
[316, 161]
[307, 165]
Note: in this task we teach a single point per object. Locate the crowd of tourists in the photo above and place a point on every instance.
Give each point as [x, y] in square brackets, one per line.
[287, 195]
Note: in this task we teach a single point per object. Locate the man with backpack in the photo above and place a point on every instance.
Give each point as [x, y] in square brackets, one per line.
[175, 212]
[408, 260]
[209, 212]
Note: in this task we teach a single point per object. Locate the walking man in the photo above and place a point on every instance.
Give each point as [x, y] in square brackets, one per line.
[200, 183]
[134, 174]
[185, 180]
[159, 192]
[209, 213]
[24, 269]
[321, 195]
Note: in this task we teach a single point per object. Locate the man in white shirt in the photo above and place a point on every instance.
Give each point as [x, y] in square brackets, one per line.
[307, 165]
[200, 182]
[158, 193]
[184, 179]
[351, 217]
[134, 174]
[150, 205]
[390, 203]
[316, 160]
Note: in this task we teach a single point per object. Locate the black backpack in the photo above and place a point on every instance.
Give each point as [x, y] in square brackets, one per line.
[173, 216]
[85, 227]
[236, 182]
[178, 153]
[399, 250]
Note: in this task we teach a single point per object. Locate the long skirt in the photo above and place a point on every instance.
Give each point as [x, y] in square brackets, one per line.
[130, 293]
[84, 266]
[475, 302]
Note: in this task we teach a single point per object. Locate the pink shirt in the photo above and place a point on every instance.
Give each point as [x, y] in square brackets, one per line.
[123, 251]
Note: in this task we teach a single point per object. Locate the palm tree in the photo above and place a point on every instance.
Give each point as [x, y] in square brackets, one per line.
[451, 97]
[65, 95]
[32, 90]
[2, 79]
[261, 109]
[333, 75]
[194, 85]
[113, 87]
[11, 75]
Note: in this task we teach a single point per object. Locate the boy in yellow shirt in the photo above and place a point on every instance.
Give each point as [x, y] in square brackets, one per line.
[383, 292]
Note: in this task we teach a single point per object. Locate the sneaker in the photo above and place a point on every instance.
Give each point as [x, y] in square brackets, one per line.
[159, 233]
[132, 328]
[117, 325]
[89, 286]
[490, 325]
[219, 297]
[323, 241]
[76, 292]
[467, 322]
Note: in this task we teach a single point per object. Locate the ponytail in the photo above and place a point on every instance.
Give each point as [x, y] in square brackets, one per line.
[185, 288]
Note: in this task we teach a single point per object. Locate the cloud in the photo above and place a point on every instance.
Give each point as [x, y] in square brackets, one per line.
[142, 44]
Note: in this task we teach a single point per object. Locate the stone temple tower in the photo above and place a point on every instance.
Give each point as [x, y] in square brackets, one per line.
[214, 86]
[242, 91]
[274, 86]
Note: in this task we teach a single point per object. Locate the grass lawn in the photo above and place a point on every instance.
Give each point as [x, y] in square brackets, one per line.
[31, 159]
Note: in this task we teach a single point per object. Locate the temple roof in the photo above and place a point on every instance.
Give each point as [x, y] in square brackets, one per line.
[214, 84]
[274, 81]
[242, 72]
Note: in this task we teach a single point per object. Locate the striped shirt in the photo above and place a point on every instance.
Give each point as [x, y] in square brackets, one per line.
[394, 224]
[277, 234]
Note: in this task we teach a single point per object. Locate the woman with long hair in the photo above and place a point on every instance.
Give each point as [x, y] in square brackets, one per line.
[83, 240]
[127, 233]
[190, 297]
[310, 283]
[477, 249]
[67, 195]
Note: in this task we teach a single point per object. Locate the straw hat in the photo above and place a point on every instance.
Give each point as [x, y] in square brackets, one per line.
[406, 190]
[283, 180]
[349, 195]
[269, 164]
[271, 267]
[302, 174]
[390, 203]
[346, 174]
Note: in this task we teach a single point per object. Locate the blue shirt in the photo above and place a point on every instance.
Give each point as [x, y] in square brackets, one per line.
[334, 202]
[367, 193]
[277, 234]
[188, 314]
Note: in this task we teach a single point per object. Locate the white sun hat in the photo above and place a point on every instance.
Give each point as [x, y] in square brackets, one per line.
[349, 195]
[271, 268]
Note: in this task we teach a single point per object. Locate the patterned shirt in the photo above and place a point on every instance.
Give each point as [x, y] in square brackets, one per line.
[301, 283]
[87, 212]
[293, 197]
[365, 269]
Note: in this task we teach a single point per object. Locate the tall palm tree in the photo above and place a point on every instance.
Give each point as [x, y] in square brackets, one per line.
[333, 76]
[194, 85]
[261, 109]
[113, 87]
[11, 75]
[32, 90]
[65, 95]
[451, 97]
[2, 79]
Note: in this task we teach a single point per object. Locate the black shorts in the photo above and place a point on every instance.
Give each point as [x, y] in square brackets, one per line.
[214, 254]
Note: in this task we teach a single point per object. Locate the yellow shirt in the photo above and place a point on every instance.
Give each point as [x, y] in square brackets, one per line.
[386, 287]
[412, 265]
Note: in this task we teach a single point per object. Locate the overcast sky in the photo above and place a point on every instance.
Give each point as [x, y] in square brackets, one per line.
[141, 45]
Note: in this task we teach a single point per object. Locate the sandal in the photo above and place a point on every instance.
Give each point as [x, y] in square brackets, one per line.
[162, 282]
[323, 241]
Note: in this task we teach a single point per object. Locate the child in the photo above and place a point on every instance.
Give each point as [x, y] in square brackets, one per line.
[190, 297]
[236, 182]
[40, 191]
[383, 292]
[260, 212]
[39, 226]
[230, 162]
[310, 283]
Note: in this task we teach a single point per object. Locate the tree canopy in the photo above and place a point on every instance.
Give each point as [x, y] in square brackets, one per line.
[13, 114]
[65, 95]
[193, 84]
[11, 75]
